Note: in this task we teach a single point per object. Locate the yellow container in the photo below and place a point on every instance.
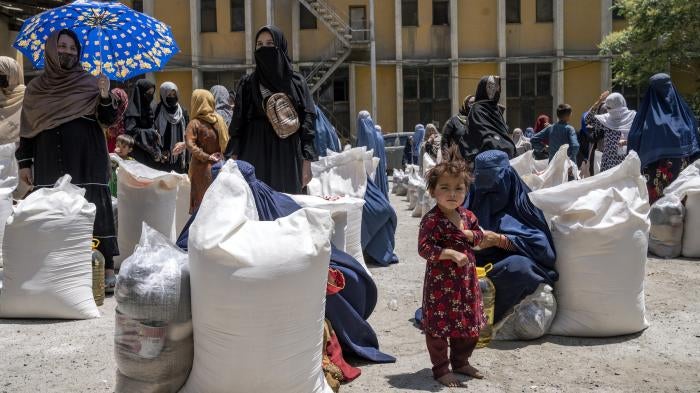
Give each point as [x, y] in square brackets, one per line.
[488, 296]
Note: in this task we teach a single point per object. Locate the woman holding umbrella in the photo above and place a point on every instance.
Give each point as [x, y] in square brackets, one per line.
[60, 134]
[278, 143]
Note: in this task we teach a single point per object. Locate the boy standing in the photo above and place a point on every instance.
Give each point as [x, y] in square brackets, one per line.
[558, 134]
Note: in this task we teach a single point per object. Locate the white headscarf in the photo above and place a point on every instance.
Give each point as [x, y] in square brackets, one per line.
[618, 117]
[10, 100]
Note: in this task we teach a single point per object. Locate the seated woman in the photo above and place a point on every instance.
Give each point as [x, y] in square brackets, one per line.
[518, 242]
[347, 310]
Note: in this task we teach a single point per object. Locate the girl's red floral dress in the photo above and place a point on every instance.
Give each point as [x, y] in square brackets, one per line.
[452, 305]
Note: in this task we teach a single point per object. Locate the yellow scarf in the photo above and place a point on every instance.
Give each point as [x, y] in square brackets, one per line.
[203, 108]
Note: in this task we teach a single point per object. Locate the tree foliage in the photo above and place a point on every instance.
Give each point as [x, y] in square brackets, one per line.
[659, 34]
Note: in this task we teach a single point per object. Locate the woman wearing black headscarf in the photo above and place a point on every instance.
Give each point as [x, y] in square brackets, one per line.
[282, 163]
[487, 129]
[455, 130]
[139, 124]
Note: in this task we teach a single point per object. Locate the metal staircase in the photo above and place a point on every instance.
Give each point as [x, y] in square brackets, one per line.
[340, 47]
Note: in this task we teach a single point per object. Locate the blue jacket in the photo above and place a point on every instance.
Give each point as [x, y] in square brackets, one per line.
[559, 134]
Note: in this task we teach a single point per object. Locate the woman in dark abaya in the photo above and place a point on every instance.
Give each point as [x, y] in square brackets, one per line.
[283, 164]
[139, 124]
[171, 121]
[486, 127]
[61, 133]
[454, 131]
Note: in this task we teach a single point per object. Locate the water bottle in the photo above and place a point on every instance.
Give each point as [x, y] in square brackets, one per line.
[488, 296]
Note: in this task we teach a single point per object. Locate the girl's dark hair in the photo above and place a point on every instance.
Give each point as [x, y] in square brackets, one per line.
[126, 140]
[452, 165]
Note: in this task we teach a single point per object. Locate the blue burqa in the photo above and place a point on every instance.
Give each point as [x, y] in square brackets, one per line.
[499, 200]
[326, 136]
[349, 309]
[418, 135]
[380, 152]
[378, 227]
[368, 137]
[665, 126]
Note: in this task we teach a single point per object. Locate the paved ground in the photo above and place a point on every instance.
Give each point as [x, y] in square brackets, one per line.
[76, 356]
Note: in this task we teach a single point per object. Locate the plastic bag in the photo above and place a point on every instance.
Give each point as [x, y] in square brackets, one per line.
[666, 233]
[420, 195]
[531, 318]
[153, 325]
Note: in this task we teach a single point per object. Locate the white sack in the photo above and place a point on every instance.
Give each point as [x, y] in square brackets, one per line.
[340, 174]
[428, 163]
[552, 174]
[347, 222]
[666, 233]
[600, 227]
[687, 186]
[418, 209]
[8, 183]
[48, 253]
[182, 205]
[258, 294]
[427, 203]
[531, 318]
[146, 195]
[153, 324]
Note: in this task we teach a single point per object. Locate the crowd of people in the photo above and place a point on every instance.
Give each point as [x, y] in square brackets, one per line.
[67, 121]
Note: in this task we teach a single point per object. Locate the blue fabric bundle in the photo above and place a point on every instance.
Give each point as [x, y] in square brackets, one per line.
[499, 200]
[381, 178]
[418, 135]
[665, 126]
[378, 227]
[347, 310]
[326, 136]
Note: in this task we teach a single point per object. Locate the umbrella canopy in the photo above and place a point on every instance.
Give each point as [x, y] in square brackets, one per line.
[115, 40]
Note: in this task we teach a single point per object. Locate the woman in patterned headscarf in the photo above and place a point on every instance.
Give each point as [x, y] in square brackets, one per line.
[11, 96]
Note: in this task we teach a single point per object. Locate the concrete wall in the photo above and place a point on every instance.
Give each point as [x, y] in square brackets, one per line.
[183, 80]
[426, 41]
[224, 46]
[581, 87]
[477, 28]
[529, 37]
[470, 74]
[581, 27]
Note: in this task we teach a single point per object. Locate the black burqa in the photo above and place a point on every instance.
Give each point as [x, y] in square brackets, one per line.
[278, 162]
[487, 129]
[139, 123]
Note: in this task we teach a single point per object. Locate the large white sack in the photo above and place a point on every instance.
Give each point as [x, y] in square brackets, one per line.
[182, 204]
[687, 186]
[347, 221]
[428, 163]
[8, 183]
[146, 195]
[258, 294]
[666, 233]
[48, 253]
[342, 174]
[153, 344]
[554, 173]
[600, 227]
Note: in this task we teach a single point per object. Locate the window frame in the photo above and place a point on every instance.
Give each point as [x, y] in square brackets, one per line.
[232, 10]
[518, 7]
[211, 5]
[446, 4]
[305, 12]
[404, 15]
[549, 18]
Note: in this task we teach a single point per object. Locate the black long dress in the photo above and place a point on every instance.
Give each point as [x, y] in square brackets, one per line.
[78, 148]
[278, 162]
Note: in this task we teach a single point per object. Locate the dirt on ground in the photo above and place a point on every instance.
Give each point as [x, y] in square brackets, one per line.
[77, 356]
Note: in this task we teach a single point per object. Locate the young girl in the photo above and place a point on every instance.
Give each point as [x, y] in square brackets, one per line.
[452, 307]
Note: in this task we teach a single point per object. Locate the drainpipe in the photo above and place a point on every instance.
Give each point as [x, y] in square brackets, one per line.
[373, 62]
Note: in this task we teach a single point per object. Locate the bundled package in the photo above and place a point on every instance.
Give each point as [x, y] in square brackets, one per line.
[258, 294]
[600, 226]
[153, 343]
[666, 233]
[341, 174]
[146, 195]
[538, 174]
[8, 183]
[48, 232]
[531, 318]
[687, 188]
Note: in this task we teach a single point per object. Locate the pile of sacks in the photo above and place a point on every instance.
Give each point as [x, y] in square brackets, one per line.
[675, 217]
[411, 184]
[538, 174]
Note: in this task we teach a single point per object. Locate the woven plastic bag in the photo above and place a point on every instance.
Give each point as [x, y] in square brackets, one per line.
[666, 233]
[531, 318]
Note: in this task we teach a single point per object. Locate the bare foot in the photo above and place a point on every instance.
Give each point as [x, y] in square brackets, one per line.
[470, 371]
[450, 380]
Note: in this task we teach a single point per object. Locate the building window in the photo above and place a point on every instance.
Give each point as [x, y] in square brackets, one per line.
[208, 16]
[358, 23]
[409, 12]
[237, 15]
[545, 11]
[333, 99]
[307, 20]
[529, 90]
[441, 13]
[228, 79]
[426, 95]
[137, 5]
[512, 11]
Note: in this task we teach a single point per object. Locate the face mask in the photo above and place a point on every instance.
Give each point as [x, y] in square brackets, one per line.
[4, 83]
[266, 55]
[171, 101]
[67, 60]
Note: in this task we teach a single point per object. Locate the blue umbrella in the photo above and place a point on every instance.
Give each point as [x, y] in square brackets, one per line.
[115, 40]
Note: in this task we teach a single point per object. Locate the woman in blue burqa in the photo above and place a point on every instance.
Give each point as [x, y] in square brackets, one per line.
[347, 310]
[518, 241]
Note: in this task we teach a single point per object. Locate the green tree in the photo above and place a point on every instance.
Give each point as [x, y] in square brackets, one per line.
[659, 34]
